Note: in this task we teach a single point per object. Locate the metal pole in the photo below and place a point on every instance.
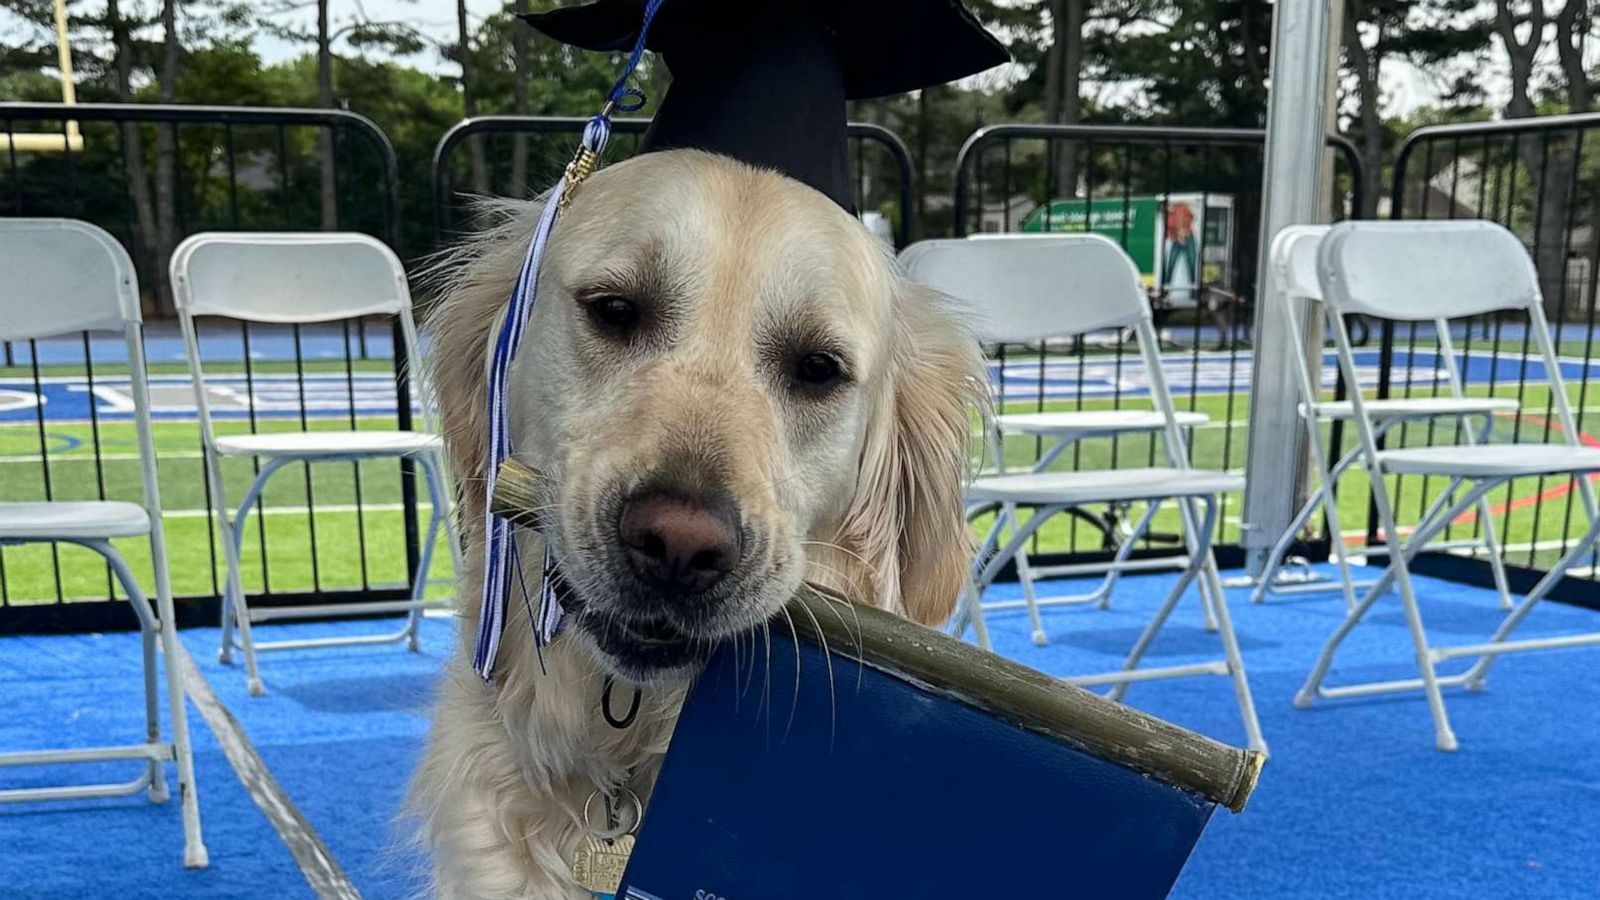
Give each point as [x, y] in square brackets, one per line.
[1292, 176]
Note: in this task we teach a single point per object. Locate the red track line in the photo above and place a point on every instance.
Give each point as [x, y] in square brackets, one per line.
[1550, 493]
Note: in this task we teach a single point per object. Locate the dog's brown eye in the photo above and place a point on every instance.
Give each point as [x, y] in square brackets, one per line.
[817, 370]
[617, 314]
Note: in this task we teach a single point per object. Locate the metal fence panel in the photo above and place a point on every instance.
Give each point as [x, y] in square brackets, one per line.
[522, 155]
[60, 409]
[1541, 179]
[1185, 203]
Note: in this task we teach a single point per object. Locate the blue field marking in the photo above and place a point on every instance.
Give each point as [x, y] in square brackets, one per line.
[1096, 377]
[323, 396]
[66, 399]
[220, 342]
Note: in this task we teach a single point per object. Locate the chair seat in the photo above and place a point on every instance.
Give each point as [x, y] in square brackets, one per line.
[1491, 460]
[329, 443]
[1101, 486]
[1101, 421]
[85, 519]
[1416, 406]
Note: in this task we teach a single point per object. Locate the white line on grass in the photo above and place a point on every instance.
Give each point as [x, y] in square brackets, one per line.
[301, 510]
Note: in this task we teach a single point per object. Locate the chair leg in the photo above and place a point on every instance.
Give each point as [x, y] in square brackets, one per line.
[149, 629]
[1497, 563]
[1152, 628]
[195, 855]
[1109, 584]
[419, 579]
[1201, 529]
[972, 611]
[1020, 534]
[1341, 553]
[152, 715]
[1399, 571]
[1230, 640]
[1480, 669]
[1313, 684]
[1325, 497]
[1491, 541]
[1025, 574]
[1444, 736]
[1211, 595]
[219, 510]
[1209, 601]
[233, 545]
[970, 608]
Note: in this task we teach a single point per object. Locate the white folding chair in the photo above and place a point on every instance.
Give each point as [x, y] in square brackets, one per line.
[59, 276]
[1294, 269]
[1095, 286]
[1021, 304]
[1438, 271]
[301, 279]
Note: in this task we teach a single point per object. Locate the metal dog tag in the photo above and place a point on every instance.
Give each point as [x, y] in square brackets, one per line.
[598, 864]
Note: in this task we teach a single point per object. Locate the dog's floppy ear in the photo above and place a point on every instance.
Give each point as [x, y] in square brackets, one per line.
[907, 520]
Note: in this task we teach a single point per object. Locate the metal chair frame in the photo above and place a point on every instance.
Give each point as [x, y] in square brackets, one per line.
[1489, 270]
[1293, 253]
[393, 298]
[51, 247]
[1104, 290]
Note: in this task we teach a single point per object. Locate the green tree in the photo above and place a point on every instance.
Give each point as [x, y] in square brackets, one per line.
[1430, 34]
[1526, 31]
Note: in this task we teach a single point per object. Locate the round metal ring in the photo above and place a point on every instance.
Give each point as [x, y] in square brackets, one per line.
[625, 824]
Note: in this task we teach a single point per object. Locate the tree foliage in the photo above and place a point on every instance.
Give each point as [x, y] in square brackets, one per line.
[1133, 61]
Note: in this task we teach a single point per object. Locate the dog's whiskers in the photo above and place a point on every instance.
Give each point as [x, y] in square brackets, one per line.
[827, 656]
[833, 606]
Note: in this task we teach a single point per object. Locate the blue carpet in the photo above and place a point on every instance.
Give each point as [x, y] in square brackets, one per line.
[1355, 802]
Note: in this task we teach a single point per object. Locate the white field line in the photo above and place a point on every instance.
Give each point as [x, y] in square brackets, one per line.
[301, 510]
[75, 455]
[32, 424]
[1522, 547]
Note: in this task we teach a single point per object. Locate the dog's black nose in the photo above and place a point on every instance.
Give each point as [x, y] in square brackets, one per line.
[682, 544]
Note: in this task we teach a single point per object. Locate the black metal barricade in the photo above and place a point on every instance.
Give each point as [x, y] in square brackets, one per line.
[1140, 186]
[152, 175]
[520, 156]
[1541, 179]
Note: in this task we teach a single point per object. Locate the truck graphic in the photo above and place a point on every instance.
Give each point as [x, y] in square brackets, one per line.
[1179, 241]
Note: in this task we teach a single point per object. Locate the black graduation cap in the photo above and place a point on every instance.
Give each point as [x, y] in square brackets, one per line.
[765, 81]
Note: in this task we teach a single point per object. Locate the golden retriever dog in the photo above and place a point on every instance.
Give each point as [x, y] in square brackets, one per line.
[728, 389]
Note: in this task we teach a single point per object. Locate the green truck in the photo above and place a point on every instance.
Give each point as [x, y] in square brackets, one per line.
[1169, 236]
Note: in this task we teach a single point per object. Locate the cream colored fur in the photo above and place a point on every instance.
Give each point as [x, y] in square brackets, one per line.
[863, 495]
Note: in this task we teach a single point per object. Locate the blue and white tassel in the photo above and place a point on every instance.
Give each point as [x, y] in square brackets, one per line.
[500, 548]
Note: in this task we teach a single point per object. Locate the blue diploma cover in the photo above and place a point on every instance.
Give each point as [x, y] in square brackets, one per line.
[902, 763]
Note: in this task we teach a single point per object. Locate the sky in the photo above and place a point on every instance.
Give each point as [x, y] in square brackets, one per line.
[1405, 88]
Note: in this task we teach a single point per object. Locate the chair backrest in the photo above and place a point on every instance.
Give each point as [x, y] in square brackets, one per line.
[1294, 261]
[62, 275]
[1414, 271]
[1438, 270]
[1026, 288]
[288, 277]
[1037, 287]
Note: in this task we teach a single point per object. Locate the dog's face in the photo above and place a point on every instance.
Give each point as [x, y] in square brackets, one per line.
[717, 385]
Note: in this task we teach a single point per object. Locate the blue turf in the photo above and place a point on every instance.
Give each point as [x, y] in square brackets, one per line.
[1355, 802]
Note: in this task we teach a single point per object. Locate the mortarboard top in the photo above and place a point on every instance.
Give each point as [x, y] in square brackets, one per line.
[765, 81]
